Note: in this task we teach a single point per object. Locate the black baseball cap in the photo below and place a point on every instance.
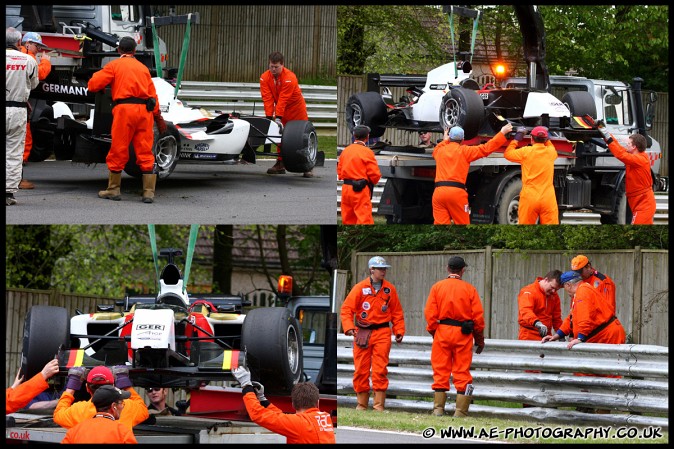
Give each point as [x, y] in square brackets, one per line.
[106, 395]
[456, 262]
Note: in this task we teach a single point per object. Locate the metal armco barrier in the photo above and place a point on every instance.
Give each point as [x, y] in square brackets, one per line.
[245, 98]
[498, 374]
[570, 217]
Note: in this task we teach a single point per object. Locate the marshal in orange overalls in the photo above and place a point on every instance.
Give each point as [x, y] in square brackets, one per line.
[357, 162]
[43, 69]
[370, 307]
[452, 350]
[605, 286]
[452, 164]
[638, 183]
[129, 78]
[534, 305]
[537, 197]
[17, 398]
[68, 414]
[282, 97]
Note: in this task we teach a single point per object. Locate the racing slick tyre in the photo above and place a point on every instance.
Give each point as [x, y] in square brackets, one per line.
[508, 203]
[462, 107]
[166, 150]
[579, 103]
[43, 137]
[273, 344]
[299, 146]
[622, 214]
[44, 330]
[366, 108]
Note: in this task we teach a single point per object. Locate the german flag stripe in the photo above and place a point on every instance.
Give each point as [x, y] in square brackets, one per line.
[582, 122]
[230, 360]
[75, 357]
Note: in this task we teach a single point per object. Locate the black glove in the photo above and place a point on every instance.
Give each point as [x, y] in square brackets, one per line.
[121, 373]
[542, 328]
[76, 376]
[161, 124]
[479, 341]
[519, 135]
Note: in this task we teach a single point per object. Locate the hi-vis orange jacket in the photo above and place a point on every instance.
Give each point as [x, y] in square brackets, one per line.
[537, 197]
[534, 306]
[638, 183]
[373, 308]
[605, 286]
[100, 429]
[282, 97]
[455, 299]
[309, 427]
[69, 415]
[19, 397]
[356, 162]
[590, 310]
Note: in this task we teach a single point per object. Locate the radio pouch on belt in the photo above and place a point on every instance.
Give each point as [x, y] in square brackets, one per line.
[150, 104]
[467, 327]
[359, 185]
[363, 337]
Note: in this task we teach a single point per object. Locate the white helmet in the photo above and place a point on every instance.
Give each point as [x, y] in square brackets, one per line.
[378, 262]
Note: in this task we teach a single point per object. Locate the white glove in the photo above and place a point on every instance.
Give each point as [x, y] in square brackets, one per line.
[602, 129]
[542, 328]
[242, 375]
[259, 391]
[280, 125]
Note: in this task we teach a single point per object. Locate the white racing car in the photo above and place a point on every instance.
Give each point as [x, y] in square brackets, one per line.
[193, 136]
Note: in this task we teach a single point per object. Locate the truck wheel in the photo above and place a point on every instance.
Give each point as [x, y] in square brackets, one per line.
[166, 154]
[273, 345]
[508, 203]
[44, 330]
[464, 108]
[43, 140]
[621, 215]
[299, 146]
[366, 108]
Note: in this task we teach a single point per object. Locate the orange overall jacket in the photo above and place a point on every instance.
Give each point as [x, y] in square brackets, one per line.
[537, 197]
[371, 308]
[534, 306]
[452, 350]
[604, 285]
[100, 429]
[43, 69]
[282, 97]
[69, 415]
[590, 310]
[452, 161]
[357, 162]
[638, 183]
[309, 427]
[17, 398]
[131, 123]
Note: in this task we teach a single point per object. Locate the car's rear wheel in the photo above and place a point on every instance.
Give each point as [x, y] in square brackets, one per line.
[166, 151]
[43, 138]
[366, 108]
[299, 146]
[462, 107]
[273, 345]
[44, 330]
[580, 104]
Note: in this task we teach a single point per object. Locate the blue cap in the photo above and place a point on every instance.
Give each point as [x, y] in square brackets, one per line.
[456, 133]
[570, 276]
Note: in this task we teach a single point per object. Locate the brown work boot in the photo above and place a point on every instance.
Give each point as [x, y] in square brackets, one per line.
[462, 404]
[439, 399]
[149, 182]
[363, 397]
[277, 169]
[114, 183]
[308, 174]
[26, 185]
[379, 400]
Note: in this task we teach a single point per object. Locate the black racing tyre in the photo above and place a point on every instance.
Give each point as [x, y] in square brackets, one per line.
[366, 108]
[299, 146]
[44, 330]
[273, 344]
[43, 139]
[166, 150]
[580, 104]
[622, 214]
[508, 203]
[462, 107]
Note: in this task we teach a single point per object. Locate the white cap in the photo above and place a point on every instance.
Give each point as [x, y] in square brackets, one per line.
[378, 262]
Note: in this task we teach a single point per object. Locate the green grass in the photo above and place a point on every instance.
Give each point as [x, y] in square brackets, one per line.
[416, 423]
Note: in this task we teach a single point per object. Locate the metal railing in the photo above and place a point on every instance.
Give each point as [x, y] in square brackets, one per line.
[569, 217]
[245, 98]
[499, 374]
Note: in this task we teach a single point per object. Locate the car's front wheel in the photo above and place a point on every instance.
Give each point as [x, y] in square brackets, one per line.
[462, 107]
[273, 345]
[299, 146]
[166, 151]
[44, 330]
